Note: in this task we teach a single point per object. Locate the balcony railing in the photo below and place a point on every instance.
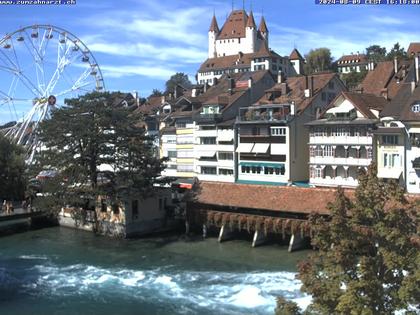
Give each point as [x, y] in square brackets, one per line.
[210, 118]
[253, 116]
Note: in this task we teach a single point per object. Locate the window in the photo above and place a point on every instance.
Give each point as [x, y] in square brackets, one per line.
[318, 172]
[278, 131]
[115, 209]
[225, 155]
[369, 153]
[245, 169]
[224, 171]
[185, 154]
[208, 170]
[328, 150]
[173, 141]
[208, 140]
[392, 160]
[256, 169]
[171, 154]
[103, 206]
[318, 151]
[415, 108]
[185, 139]
[390, 139]
[185, 168]
[135, 208]
[181, 124]
[312, 151]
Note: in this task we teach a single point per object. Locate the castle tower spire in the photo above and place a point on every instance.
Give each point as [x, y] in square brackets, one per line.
[263, 26]
[214, 27]
[251, 22]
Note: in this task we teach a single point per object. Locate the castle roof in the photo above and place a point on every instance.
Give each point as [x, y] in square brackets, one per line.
[413, 49]
[234, 26]
[213, 26]
[263, 26]
[251, 21]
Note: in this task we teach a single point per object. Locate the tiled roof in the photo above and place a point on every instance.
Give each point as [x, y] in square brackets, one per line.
[365, 102]
[296, 90]
[263, 26]
[400, 105]
[348, 59]
[274, 198]
[213, 26]
[413, 49]
[383, 78]
[220, 94]
[295, 54]
[234, 26]
[237, 61]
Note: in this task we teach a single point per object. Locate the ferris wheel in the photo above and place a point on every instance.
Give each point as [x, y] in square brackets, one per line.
[40, 66]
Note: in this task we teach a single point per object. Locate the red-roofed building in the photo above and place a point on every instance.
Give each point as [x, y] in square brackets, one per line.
[352, 63]
[341, 140]
[272, 138]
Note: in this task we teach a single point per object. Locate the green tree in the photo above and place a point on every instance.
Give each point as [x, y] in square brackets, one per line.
[96, 148]
[353, 79]
[396, 51]
[178, 78]
[12, 170]
[156, 92]
[318, 60]
[376, 53]
[367, 258]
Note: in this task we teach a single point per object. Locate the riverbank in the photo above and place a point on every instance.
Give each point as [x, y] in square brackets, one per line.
[64, 271]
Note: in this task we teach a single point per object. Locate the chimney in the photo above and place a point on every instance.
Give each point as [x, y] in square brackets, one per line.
[404, 71]
[292, 109]
[384, 93]
[250, 82]
[231, 85]
[194, 92]
[416, 61]
[283, 87]
[413, 86]
[205, 87]
[395, 65]
[309, 86]
[280, 77]
[162, 99]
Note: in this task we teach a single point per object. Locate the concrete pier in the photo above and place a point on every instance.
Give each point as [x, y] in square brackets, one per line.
[297, 242]
[225, 233]
[258, 239]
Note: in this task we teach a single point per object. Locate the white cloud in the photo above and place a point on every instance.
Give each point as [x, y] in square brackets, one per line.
[387, 20]
[133, 70]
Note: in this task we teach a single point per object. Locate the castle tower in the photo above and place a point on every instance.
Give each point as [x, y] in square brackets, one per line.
[213, 32]
[251, 33]
[263, 30]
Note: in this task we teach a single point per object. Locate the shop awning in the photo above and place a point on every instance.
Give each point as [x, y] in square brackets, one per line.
[245, 147]
[277, 149]
[260, 148]
[206, 154]
[225, 135]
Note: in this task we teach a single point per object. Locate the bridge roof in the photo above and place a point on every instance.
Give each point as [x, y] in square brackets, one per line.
[273, 198]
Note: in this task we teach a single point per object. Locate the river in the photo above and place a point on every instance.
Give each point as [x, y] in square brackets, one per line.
[65, 271]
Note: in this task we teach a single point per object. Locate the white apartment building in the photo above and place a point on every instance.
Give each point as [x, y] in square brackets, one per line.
[271, 135]
[341, 141]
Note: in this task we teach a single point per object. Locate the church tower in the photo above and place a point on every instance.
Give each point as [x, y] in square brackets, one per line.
[213, 33]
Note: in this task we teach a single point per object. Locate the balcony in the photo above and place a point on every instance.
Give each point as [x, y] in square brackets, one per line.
[264, 113]
[348, 140]
[207, 118]
[329, 160]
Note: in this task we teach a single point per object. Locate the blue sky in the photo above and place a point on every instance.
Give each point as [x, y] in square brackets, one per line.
[140, 43]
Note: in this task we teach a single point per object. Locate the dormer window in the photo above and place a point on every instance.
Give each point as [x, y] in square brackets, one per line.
[416, 108]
